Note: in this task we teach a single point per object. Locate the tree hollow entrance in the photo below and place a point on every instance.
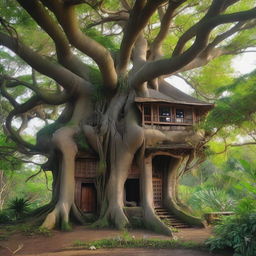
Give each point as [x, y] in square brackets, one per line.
[132, 192]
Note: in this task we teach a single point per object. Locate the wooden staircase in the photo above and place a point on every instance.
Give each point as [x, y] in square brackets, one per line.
[169, 219]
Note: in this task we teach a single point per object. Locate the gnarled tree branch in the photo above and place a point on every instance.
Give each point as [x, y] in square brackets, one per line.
[155, 49]
[53, 98]
[14, 135]
[157, 68]
[46, 22]
[67, 18]
[139, 17]
[216, 8]
[71, 82]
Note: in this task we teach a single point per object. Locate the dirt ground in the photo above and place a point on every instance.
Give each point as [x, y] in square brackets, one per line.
[38, 245]
[133, 252]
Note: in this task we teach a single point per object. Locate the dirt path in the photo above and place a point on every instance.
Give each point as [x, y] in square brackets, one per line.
[44, 246]
[133, 252]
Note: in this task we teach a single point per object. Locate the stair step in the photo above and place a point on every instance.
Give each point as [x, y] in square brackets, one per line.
[170, 219]
[177, 225]
[180, 226]
[164, 215]
[176, 222]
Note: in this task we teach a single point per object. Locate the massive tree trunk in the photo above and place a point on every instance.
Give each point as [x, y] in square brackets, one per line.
[117, 138]
[150, 218]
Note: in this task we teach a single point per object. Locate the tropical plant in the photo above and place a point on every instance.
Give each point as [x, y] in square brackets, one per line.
[248, 182]
[226, 178]
[5, 216]
[213, 199]
[239, 231]
[19, 207]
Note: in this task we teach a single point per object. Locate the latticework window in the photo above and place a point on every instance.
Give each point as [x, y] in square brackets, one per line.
[157, 191]
[86, 168]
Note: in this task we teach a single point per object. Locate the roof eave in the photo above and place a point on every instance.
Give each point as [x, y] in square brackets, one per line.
[149, 100]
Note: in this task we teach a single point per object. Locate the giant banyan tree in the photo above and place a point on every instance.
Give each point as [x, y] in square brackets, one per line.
[122, 135]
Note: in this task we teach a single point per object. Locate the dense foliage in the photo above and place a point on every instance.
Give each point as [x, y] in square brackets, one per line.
[238, 106]
[236, 232]
[234, 182]
[220, 182]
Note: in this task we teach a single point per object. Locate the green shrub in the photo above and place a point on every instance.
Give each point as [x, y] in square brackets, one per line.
[213, 199]
[44, 232]
[245, 206]
[5, 217]
[136, 222]
[237, 232]
[19, 207]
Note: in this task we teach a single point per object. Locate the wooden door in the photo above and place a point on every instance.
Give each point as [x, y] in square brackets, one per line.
[88, 197]
[158, 192]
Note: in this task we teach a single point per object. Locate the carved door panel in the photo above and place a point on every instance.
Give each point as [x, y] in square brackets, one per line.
[88, 197]
[158, 192]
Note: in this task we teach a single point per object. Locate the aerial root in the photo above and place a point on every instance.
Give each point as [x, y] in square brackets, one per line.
[118, 218]
[59, 216]
[114, 216]
[152, 222]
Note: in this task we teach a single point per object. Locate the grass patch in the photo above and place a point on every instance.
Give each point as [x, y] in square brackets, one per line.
[26, 229]
[137, 243]
[4, 237]
[128, 241]
[66, 226]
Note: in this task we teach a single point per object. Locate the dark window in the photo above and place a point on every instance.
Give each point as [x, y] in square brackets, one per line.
[147, 110]
[179, 113]
[164, 111]
[147, 113]
[164, 114]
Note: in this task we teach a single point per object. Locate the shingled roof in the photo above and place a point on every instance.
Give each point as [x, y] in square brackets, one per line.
[172, 95]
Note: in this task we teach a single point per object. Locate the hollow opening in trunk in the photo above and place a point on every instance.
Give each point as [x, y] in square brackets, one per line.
[132, 192]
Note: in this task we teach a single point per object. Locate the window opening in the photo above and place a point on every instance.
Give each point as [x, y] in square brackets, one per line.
[164, 114]
[147, 112]
[180, 115]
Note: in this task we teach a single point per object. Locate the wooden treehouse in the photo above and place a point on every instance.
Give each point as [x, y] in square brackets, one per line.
[172, 115]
